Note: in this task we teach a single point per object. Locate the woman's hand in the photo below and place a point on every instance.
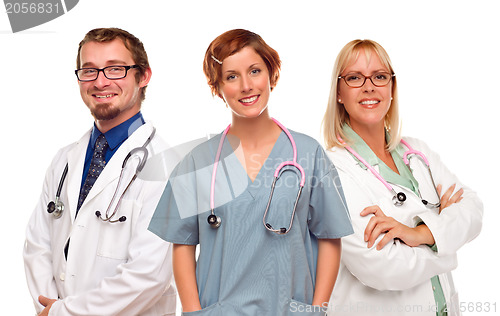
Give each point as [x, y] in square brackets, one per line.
[380, 224]
[413, 237]
[47, 302]
[447, 200]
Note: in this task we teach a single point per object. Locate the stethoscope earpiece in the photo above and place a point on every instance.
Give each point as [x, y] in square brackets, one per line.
[121, 219]
[281, 231]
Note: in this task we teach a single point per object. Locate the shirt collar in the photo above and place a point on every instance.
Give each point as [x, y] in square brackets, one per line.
[118, 134]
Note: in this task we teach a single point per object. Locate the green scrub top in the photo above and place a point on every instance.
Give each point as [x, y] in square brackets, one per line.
[404, 178]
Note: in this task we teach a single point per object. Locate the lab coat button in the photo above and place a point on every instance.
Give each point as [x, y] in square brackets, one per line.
[62, 276]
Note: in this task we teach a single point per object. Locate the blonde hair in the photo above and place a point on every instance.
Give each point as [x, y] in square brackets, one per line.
[336, 115]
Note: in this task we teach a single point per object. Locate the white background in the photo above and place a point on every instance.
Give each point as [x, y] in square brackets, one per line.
[445, 54]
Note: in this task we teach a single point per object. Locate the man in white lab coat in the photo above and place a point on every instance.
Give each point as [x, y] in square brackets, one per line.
[94, 255]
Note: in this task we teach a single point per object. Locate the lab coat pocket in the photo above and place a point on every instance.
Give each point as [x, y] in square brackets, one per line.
[114, 238]
[212, 310]
[296, 308]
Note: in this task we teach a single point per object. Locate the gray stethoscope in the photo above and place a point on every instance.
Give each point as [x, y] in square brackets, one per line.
[215, 221]
[56, 207]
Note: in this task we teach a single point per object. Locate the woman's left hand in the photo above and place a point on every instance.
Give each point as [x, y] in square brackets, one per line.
[47, 302]
[380, 223]
[447, 199]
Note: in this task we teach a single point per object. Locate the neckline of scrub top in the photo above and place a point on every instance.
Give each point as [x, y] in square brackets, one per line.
[255, 185]
[404, 178]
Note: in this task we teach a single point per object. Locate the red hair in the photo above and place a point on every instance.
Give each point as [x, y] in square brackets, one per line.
[228, 44]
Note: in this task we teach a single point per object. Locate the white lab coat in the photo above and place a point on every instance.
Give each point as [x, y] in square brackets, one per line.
[396, 279]
[112, 268]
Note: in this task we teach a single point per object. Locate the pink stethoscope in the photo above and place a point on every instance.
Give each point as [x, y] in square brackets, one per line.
[399, 198]
[215, 221]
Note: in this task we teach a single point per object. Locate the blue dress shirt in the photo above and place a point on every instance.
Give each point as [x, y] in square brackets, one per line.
[115, 137]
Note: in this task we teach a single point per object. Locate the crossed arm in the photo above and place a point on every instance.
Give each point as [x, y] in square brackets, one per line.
[413, 237]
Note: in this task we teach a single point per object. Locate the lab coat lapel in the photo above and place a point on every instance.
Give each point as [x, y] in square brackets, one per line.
[113, 168]
[76, 159]
[344, 161]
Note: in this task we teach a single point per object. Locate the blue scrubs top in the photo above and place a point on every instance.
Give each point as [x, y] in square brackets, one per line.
[244, 269]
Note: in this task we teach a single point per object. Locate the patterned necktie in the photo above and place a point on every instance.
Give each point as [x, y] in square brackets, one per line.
[97, 164]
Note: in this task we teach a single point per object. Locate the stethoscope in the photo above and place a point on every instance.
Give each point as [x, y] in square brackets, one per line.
[215, 221]
[399, 198]
[57, 207]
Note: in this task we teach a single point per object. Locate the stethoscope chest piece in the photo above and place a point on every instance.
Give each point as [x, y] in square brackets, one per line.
[399, 198]
[214, 220]
[55, 208]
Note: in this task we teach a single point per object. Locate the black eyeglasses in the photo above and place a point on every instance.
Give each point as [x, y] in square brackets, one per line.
[110, 72]
[357, 80]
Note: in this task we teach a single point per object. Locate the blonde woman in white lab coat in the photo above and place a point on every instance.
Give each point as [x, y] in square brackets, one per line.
[400, 258]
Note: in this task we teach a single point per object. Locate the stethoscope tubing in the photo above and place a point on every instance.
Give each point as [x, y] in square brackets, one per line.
[412, 151]
[140, 166]
[214, 169]
[56, 207]
[59, 187]
[398, 198]
[215, 221]
[294, 161]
